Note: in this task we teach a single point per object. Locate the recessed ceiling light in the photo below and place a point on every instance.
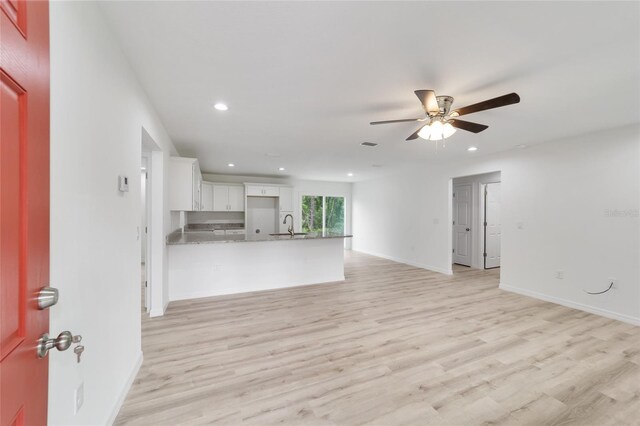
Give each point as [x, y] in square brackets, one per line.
[221, 107]
[472, 148]
[231, 165]
[349, 174]
[281, 169]
[371, 144]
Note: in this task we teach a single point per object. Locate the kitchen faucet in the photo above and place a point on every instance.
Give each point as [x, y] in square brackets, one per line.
[284, 222]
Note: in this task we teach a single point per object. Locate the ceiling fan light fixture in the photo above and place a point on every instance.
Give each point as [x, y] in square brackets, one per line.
[437, 130]
[425, 132]
[448, 130]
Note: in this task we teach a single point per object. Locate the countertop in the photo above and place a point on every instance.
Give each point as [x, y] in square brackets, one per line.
[208, 237]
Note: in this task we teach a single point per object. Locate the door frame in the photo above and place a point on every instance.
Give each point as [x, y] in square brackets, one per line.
[476, 261]
[145, 234]
[155, 224]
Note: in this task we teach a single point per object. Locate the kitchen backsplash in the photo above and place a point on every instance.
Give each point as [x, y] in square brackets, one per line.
[215, 217]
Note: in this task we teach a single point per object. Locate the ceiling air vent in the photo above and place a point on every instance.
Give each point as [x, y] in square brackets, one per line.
[369, 144]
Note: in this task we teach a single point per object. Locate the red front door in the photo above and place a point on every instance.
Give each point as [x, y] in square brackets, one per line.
[24, 208]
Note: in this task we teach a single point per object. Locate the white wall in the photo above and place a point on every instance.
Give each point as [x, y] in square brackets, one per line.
[563, 193]
[98, 111]
[301, 187]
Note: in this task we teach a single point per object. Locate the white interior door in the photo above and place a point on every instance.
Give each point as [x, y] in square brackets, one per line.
[462, 224]
[493, 231]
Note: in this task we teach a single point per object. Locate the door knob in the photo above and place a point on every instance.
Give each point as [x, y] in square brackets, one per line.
[61, 343]
[468, 229]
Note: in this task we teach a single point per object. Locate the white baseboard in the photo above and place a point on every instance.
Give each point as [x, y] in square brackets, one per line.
[125, 390]
[570, 304]
[408, 262]
[158, 312]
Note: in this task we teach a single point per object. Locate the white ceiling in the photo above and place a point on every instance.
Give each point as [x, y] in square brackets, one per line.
[304, 79]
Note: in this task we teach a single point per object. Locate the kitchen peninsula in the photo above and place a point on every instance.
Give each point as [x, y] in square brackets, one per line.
[202, 264]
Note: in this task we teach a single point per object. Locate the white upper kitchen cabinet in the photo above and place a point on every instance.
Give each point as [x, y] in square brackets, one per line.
[236, 198]
[228, 198]
[286, 199]
[185, 180]
[207, 196]
[263, 191]
[220, 198]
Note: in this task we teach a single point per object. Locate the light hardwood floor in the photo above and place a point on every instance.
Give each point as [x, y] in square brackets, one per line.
[393, 344]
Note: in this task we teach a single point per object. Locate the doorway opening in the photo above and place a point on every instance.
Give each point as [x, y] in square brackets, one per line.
[475, 226]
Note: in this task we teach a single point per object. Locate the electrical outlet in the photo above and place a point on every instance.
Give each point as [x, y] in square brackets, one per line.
[614, 281]
[560, 275]
[79, 398]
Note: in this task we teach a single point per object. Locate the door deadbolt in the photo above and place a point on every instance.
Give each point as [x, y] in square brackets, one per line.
[47, 297]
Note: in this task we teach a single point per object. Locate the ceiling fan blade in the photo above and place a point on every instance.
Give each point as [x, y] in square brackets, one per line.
[500, 101]
[429, 101]
[468, 126]
[396, 121]
[414, 135]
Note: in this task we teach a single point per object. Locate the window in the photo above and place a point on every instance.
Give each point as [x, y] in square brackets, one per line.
[322, 214]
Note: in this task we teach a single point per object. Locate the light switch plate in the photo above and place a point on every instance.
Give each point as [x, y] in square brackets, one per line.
[123, 183]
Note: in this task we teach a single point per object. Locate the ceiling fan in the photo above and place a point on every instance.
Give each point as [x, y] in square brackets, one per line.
[442, 122]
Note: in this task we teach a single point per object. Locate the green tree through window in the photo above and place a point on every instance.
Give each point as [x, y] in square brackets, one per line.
[311, 214]
[334, 214]
[320, 214]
